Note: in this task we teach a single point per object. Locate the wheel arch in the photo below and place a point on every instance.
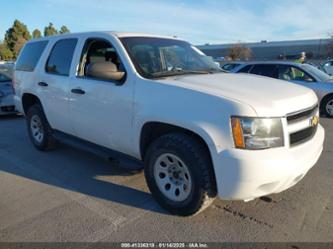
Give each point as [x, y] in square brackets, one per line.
[324, 98]
[154, 129]
[28, 100]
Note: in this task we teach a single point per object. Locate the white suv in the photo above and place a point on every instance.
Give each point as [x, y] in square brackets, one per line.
[200, 132]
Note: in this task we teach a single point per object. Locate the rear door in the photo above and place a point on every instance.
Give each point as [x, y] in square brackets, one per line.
[26, 70]
[53, 83]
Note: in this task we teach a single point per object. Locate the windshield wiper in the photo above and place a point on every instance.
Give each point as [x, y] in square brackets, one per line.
[179, 72]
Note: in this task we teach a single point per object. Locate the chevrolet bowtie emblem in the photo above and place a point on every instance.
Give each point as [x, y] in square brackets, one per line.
[314, 121]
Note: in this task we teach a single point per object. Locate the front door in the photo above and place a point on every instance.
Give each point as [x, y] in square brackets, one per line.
[101, 110]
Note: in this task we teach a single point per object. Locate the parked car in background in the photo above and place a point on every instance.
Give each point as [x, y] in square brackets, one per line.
[302, 74]
[7, 105]
[327, 67]
[200, 133]
[219, 59]
[229, 66]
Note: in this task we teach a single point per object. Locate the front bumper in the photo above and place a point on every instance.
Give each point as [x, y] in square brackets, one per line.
[245, 175]
[7, 105]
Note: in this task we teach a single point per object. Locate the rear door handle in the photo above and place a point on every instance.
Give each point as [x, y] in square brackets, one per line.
[78, 91]
[42, 84]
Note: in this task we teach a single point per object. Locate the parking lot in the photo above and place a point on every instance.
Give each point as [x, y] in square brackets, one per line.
[71, 195]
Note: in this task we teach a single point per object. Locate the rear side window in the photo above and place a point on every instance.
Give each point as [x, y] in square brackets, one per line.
[230, 66]
[30, 55]
[266, 70]
[245, 69]
[61, 56]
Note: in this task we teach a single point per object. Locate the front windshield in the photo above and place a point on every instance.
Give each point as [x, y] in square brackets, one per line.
[322, 76]
[4, 78]
[6, 72]
[160, 57]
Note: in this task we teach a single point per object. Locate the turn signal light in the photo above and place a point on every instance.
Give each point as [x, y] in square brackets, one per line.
[237, 133]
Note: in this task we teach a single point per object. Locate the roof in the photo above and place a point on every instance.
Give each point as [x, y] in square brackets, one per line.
[270, 62]
[135, 34]
[114, 33]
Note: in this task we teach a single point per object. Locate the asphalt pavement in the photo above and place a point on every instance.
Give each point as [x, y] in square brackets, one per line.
[72, 195]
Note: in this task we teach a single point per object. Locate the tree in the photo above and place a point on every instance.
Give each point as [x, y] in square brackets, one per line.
[16, 36]
[36, 34]
[5, 52]
[64, 30]
[240, 52]
[50, 30]
[18, 45]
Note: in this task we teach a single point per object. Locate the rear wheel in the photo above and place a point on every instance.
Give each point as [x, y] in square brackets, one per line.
[179, 174]
[39, 130]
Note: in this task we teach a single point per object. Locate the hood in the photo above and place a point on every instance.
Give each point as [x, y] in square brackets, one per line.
[268, 97]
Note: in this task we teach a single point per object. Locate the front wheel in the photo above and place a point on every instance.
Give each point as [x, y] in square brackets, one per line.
[327, 106]
[179, 174]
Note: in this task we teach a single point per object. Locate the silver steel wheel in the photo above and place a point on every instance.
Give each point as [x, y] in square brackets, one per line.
[172, 177]
[329, 107]
[36, 128]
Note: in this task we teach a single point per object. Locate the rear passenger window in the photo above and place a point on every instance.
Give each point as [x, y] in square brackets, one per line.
[245, 69]
[266, 70]
[30, 55]
[60, 59]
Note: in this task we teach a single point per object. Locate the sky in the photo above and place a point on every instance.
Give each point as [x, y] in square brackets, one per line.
[200, 22]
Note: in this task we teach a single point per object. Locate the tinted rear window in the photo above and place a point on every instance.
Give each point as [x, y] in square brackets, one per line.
[229, 67]
[30, 55]
[60, 59]
[245, 69]
[265, 70]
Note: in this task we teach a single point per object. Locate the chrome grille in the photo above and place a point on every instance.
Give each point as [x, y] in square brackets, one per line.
[302, 120]
[302, 136]
[299, 116]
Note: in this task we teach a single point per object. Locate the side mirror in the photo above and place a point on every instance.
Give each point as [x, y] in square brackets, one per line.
[105, 71]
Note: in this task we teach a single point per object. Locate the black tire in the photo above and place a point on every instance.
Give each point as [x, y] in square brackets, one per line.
[323, 105]
[47, 142]
[197, 159]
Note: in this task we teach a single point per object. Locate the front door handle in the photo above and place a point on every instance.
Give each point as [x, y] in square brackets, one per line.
[42, 84]
[78, 91]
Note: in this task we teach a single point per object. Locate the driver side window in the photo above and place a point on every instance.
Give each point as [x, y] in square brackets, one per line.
[97, 51]
[293, 73]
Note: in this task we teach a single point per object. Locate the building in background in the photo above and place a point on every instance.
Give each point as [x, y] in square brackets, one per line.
[315, 49]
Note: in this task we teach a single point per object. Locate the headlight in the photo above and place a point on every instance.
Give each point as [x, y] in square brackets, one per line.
[257, 133]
